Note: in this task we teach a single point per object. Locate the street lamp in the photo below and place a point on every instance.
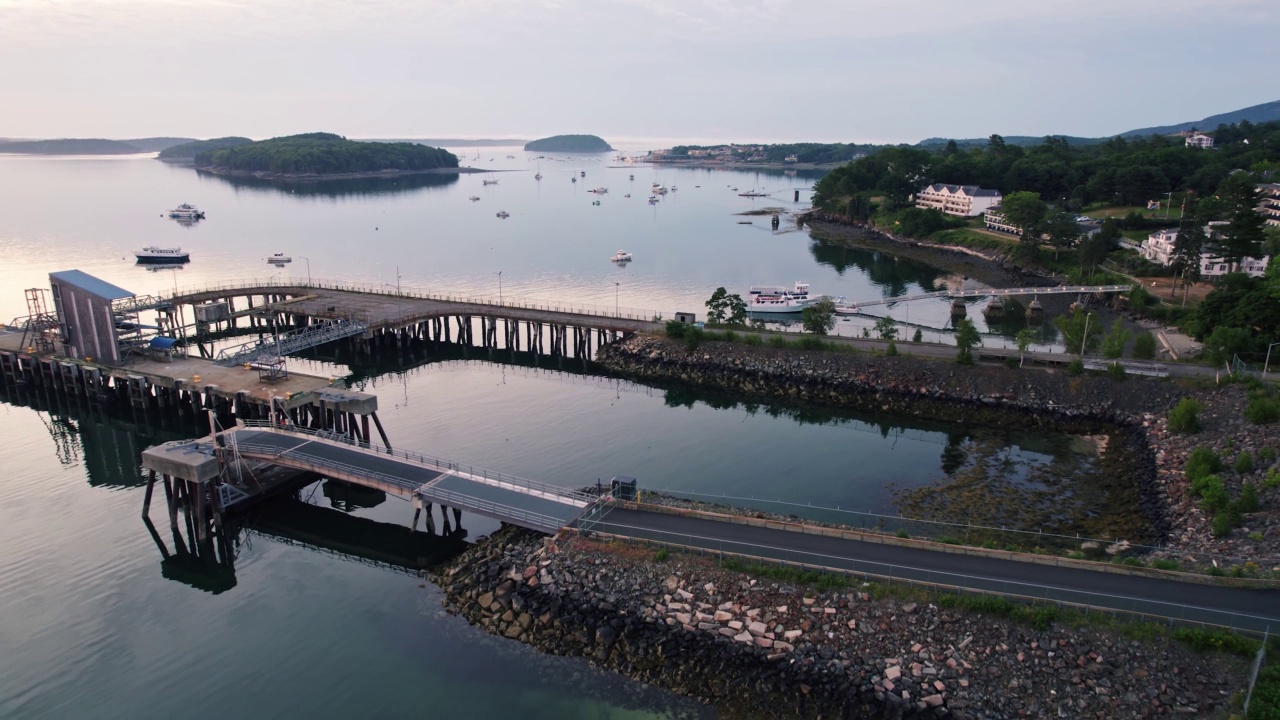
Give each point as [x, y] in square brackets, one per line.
[1267, 362]
[616, 286]
[304, 257]
[499, 274]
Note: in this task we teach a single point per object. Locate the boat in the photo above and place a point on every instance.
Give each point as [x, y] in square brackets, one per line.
[279, 259]
[504, 214]
[538, 176]
[633, 177]
[744, 222]
[653, 200]
[596, 202]
[573, 179]
[778, 299]
[753, 193]
[627, 195]
[155, 255]
[187, 211]
[511, 157]
[622, 256]
[474, 198]
[599, 190]
[490, 182]
[584, 173]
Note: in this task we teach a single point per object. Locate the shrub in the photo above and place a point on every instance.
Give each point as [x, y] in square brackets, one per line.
[1225, 640]
[1266, 455]
[778, 341]
[1273, 479]
[1202, 462]
[892, 350]
[1262, 410]
[902, 533]
[965, 356]
[693, 337]
[918, 336]
[1144, 346]
[1185, 417]
[1248, 501]
[729, 336]
[1244, 463]
[1165, 564]
[1012, 362]
[1255, 536]
[752, 340]
[661, 555]
[1225, 522]
[676, 329]
[1075, 367]
[1116, 371]
[1214, 495]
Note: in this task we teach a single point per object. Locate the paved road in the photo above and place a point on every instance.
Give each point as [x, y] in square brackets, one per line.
[1245, 609]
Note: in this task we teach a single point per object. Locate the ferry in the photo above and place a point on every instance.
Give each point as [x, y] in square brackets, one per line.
[622, 256]
[279, 259]
[778, 299]
[155, 255]
[187, 211]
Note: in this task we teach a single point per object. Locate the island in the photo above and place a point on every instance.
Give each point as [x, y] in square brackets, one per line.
[569, 144]
[187, 152]
[324, 155]
[89, 146]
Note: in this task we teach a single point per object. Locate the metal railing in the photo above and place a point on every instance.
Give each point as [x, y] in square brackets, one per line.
[869, 569]
[486, 301]
[292, 342]
[448, 466]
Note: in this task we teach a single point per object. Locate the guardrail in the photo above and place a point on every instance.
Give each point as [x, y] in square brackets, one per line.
[427, 460]
[868, 569]
[609, 311]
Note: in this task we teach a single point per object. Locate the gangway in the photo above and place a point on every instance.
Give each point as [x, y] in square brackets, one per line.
[849, 308]
[288, 343]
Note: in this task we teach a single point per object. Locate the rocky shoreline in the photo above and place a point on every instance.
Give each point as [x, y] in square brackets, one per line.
[758, 648]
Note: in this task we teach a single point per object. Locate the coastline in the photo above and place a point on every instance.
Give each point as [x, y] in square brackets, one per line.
[711, 164]
[265, 175]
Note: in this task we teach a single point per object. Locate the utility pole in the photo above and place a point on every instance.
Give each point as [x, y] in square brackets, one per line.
[1087, 316]
[616, 286]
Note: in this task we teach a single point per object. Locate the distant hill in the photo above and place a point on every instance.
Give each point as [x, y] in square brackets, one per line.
[313, 154]
[189, 151]
[156, 144]
[1266, 112]
[89, 146]
[570, 144]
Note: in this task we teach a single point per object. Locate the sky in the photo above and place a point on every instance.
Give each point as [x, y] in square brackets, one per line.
[661, 70]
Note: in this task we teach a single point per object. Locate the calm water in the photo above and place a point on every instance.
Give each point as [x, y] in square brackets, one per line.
[94, 626]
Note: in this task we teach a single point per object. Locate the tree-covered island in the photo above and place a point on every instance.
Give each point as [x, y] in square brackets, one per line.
[324, 155]
[187, 152]
[569, 144]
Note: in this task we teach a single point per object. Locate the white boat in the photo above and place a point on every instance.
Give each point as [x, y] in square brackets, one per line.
[504, 214]
[600, 190]
[279, 259]
[155, 255]
[753, 193]
[490, 182]
[653, 200]
[778, 299]
[187, 211]
[622, 256]
[474, 198]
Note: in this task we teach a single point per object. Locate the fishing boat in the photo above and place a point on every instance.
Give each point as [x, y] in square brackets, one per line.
[187, 211]
[155, 255]
[504, 214]
[622, 256]
[778, 299]
[279, 259]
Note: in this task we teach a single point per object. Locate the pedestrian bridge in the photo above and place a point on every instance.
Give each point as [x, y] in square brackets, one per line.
[422, 479]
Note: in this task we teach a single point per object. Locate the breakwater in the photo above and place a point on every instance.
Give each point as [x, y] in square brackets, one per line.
[758, 647]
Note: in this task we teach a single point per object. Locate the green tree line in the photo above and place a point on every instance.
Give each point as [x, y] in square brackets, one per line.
[326, 153]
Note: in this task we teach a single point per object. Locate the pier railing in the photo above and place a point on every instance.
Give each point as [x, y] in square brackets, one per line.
[435, 463]
[487, 301]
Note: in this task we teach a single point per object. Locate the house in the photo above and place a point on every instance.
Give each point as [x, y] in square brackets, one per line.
[791, 158]
[1269, 207]
[962, 200]
[1199, 140]
[1158, 248]
[994, 220]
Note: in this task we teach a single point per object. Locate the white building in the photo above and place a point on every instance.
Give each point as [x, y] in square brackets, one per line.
[962, 200]
[995, 220]
[1269, 194]
[1199, 140]
[1158, 248]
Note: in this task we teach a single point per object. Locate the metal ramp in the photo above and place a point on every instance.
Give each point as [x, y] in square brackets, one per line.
[288, 343]
[420, 478]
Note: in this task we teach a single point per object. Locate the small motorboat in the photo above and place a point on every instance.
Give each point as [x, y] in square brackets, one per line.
[600, 190]
[627, 195]
[490, 182]
[186, 211]
[752, 193]
[653, 200]
[622, 256]
[474, 198]
[279, 259]
[573, 179]
[504, 214]
[155, 255]
[538, 176]
[597, 202]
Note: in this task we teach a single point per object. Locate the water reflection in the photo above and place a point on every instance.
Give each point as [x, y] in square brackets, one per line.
[892, 274]
[337, 188]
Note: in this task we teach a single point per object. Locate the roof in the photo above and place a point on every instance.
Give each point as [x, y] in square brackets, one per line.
[90, 284]
[970, 190]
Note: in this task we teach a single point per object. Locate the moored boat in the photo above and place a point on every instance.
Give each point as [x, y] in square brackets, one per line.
[778, 299]
[622, 256]
[279, 259]
[155, 255]
[504, 214]
[187, 211]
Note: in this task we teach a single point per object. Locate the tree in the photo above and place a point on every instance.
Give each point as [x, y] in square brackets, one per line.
[886, 328]
[820, 317]
[1115, 339]
[1246, 233]
[1025, 338]
[967, 336]
[717, 306]
[1093, 250]
[1062, 230]
[1187, 247]
[735, 310]
[1025, 210]
[1075, 331]
[1144, 346]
